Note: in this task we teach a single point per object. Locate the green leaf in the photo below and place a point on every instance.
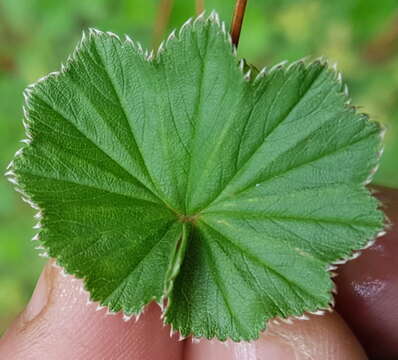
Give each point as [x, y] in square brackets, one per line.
[178, 176]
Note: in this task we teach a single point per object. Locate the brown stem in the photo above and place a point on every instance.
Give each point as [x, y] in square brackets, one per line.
[162, 20]
[237, 20]
[200, 6]
[385, 46]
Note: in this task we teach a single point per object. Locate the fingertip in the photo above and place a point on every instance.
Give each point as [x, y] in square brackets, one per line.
[322, 337]
[60, 323]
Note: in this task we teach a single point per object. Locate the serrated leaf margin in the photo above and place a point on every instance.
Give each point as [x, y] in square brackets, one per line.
[153, 55]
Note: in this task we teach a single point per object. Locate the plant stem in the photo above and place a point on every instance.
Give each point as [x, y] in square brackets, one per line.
[237, 21]
[162, 21]
[200, 6]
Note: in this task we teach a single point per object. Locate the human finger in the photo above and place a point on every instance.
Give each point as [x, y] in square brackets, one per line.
[59, 324]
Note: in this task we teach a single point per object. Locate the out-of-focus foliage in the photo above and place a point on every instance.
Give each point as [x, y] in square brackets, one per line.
[36, 35]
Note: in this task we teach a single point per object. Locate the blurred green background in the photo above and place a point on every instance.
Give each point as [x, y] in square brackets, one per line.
[36, 35]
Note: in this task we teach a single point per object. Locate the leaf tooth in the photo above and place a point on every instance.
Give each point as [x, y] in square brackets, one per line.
[82, 290]
[304, 60]
[83, 38]
[39, 247]
[340, 262]
[37, 226]
[27, 200]
[36, 237]
[29, 89]
[382, 132]
[214, 17]
[128, 39]
[151, 55]
[247, 77]
[162, 315]
[321, 60]
[33, 206]
[195, 340]
[242, 65]
[63, 272]
[111, 34]
[302, 317]
[25, 111]
[162, 304]
[110, 312]
[27, 108]
[10, 173]
[317, 312]
[28, 140]
[334, 289]
[27, 129]
[199, 18]
[185, 26]
[27, 93]
[224, 29]
[94, 32]
[234, 48]
[181, 337]
[262, 73]
[137, 316]
[380, 234]
[371, 242]
[44, 255]
[80, 44]
[38, 215]
[89, 302]
[331, 268]
[10, 165]
[171, 37]
[278, 66]
[99, 307]
[161, 48]
[46, 77]
[353, 256]
[63, 68]
[20, 191]
[331, 305]
[288, 321]
[346, 91]
[295, 63]
[339, 77]
[139, 47]
[173, 332]
[373, 171]
[13, 180]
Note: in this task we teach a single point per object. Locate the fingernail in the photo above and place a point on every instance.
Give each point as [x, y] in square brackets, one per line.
[40, 295]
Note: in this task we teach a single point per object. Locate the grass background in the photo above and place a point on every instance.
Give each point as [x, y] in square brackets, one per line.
[36, 35]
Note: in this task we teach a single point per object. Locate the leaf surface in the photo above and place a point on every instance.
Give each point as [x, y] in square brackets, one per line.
[179, 177]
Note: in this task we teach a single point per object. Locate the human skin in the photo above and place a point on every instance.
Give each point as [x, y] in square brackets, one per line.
[59, 324]
[368, 288]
